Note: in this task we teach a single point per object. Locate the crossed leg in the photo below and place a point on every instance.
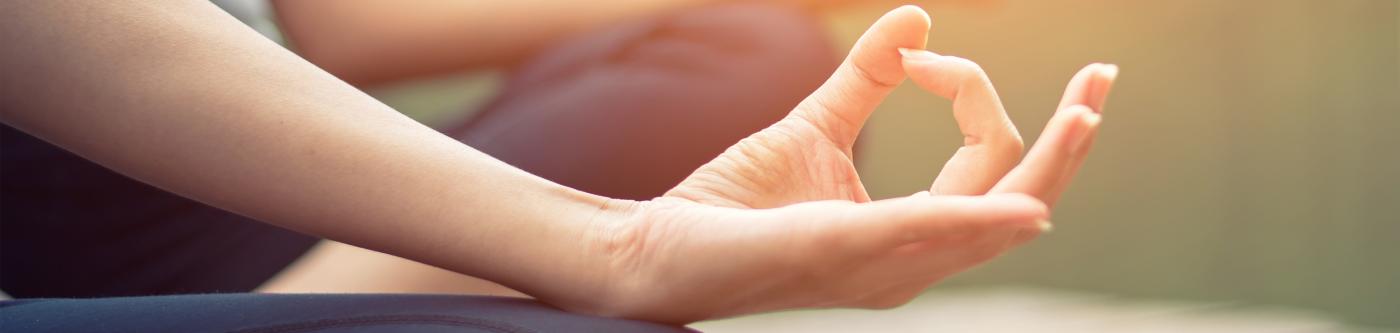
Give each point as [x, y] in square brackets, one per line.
[627, 113]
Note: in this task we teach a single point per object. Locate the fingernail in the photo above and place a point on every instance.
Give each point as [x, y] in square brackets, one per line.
[1091, 124]
[1092, 120]
[1110, 71]
[917, 55]
[1044, 226]
[1101, 80]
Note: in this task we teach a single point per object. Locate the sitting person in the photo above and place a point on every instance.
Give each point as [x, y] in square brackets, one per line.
[777, 221]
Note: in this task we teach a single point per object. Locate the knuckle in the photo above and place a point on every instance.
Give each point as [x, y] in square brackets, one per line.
[865, 73]
[1003, 146]
[1009, 146]
[969, 72]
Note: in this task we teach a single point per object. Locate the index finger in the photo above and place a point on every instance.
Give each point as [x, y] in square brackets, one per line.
[991, 144]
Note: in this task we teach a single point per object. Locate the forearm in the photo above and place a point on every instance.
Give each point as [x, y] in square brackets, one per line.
[181, 96]
[366, 42]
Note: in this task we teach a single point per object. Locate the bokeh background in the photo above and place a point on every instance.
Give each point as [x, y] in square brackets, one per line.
[1250, 155]
[1250, 150]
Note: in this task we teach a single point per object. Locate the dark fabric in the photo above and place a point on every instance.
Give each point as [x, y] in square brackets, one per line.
[71, 228]
[305, 313]
[627, 112]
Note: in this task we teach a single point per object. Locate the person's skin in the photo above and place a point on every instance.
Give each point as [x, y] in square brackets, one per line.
[367, 42]
[182, 96]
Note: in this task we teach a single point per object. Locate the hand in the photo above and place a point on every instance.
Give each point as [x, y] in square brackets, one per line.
[780, 220]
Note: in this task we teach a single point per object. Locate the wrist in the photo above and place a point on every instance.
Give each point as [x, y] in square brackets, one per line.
[612, 230]
[628, 243]
[584, 273]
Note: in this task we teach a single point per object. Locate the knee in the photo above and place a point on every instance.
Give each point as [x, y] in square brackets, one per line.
[754, 45]
[653, 100]
[758, 28]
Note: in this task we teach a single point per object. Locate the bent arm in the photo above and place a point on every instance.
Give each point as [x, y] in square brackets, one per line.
[180, 95]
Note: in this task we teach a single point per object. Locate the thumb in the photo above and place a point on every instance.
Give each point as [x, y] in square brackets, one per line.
[841, 105]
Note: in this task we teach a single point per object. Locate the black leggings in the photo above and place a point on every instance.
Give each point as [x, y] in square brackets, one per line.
[626, 112]
[305, 313]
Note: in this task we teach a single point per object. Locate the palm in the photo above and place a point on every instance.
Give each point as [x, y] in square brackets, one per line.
[781, 219]
[790, 162]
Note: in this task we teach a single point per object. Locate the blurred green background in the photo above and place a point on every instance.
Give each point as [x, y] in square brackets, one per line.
[1250, 151]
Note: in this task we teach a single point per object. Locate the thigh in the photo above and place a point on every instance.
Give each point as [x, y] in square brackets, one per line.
[333, 267]
[629, 111]
[305, 313]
